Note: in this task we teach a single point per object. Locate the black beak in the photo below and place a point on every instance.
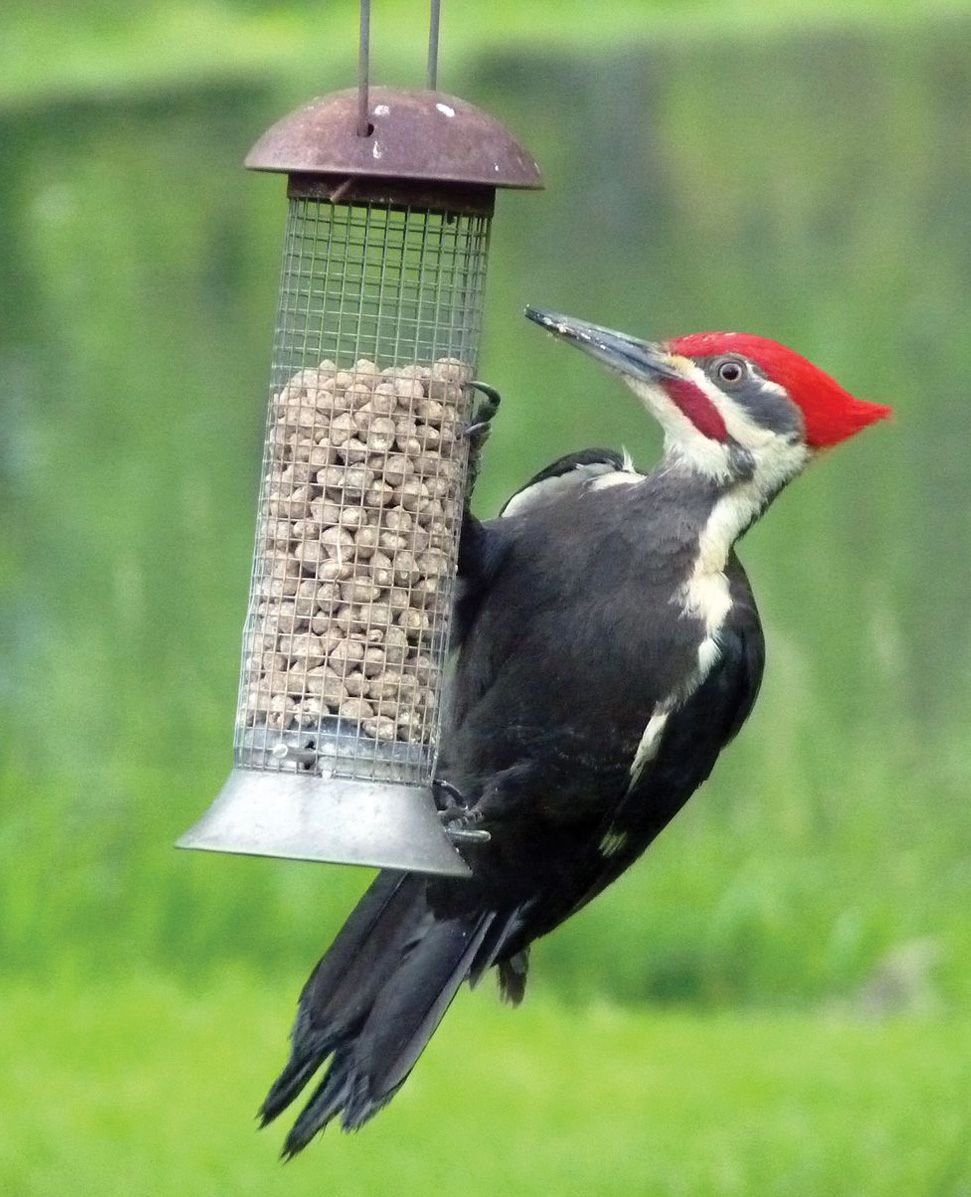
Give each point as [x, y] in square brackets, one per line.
[628, 355]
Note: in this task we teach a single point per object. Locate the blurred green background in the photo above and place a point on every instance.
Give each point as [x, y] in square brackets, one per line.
[776, 999]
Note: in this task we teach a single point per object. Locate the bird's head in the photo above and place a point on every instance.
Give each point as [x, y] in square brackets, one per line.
[731, 405]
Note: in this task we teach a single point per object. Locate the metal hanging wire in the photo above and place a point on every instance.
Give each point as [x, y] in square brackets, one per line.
[433, 26]
[363, 64]
[364, 126]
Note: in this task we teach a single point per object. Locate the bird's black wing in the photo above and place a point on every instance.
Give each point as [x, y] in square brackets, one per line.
[482, 545]
[693, 737]
[564, 475]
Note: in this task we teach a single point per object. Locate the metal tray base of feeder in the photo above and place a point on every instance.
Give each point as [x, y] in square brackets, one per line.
[306, 817]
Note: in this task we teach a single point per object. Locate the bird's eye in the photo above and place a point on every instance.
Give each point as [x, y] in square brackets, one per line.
[730, 370]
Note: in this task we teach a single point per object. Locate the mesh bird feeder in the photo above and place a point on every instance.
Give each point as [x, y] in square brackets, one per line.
[391, 196]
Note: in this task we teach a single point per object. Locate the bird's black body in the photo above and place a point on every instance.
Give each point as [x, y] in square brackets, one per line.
[572, 633]
[559, 672]
[607, 648]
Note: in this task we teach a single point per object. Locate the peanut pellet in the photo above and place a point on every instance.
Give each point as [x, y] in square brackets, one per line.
[365, 466]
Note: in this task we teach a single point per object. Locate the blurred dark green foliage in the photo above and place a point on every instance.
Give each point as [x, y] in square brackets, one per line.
[815, 188]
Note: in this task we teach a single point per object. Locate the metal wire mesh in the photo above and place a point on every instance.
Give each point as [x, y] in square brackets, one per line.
[360, 507]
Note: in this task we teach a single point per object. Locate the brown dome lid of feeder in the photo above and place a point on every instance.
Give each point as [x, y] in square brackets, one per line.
[421, 135]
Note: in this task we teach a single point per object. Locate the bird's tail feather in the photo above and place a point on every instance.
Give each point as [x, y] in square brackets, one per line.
[338, 993]
[511, 969]
[372, 1003]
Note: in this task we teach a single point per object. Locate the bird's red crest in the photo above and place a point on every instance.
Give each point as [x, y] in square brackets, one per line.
[831, 413]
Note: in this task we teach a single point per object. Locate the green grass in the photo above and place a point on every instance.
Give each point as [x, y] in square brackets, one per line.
[139, 1086]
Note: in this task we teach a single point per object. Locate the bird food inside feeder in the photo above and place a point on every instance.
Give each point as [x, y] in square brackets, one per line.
[355, 554]
[365, 473]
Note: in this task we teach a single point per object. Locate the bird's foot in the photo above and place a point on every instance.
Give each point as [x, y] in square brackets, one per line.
[458, 818]
[477, 433]
[482, 417]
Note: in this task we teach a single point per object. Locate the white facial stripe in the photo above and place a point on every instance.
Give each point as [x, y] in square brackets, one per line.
[738, 424]
[777, 458]
[682, 439]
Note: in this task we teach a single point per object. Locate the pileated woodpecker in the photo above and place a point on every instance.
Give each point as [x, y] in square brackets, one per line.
[608, 647]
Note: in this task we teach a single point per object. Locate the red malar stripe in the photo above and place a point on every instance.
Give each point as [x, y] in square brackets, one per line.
[696, 405]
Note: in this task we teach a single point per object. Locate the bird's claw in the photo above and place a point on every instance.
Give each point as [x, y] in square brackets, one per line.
[458, 818]
[467, 835]
[459, 833]
[477, 432]
[485, 411]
